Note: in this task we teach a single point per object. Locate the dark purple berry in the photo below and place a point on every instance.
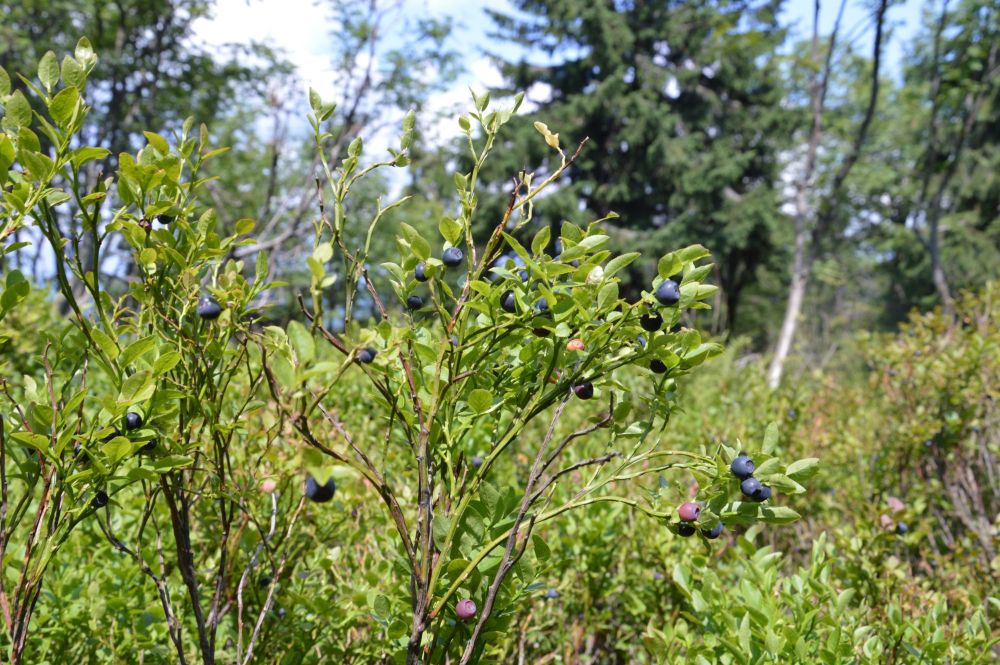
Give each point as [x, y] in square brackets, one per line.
[668, 293]
[714, 532]
[420, 272]
[208, 308]
[319, 493]
[686, 529]
[651, 322]
[763, 494]
[657, 366]
[508, 302]
[414, 302]
[552, 594]
[452, 257]
[133, 420]
[165, 219]
[584, 390]
[902, 529]
[742, 467]
[542, 306]
[750, 487]
[100, 499]
[367, 356]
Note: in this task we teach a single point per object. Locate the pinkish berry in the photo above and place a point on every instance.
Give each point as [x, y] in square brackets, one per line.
[689, 511]
[895, 505]
[465, 609]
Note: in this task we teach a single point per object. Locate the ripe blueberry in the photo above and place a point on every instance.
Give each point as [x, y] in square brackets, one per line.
[133, 420]
[208, 308]
[414, 302]
[477, 461]
[689, 511]
[763, 494]
[750, 487]
[541, 332]
[367, 355]
[902, 529]
[651, 322]
[100, 499]
[584, 390]
[742, 467]
[165, 219]
[420, 272]
[465, 609]
[714, 532]
[551, 594]
[542, 306]
[452, 257]
[685, 529]
[668, 293]
[149, 447]
[641, 341]
[508, 302]
[319, 493]
[657, 366]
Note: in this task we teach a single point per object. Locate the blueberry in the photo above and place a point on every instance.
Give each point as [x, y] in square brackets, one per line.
[641, 341]
[452, 257]
[689, 511]
[465, 609]
[542, 306]
[750, 487]
[657, 366]
[508, 302]
[477, 461]
[763, 494]
[100, 499]
[541, 332]
[414, 302]
[454, 340]
[149, 447]
[742, 467]
[685, 529]
[165, 219]
[133, 420]
[902, 529]
[208, 308]
[420, 272]
[552, 594]
[584, 390]
[319, 493]
[367, 356]
[668, 293]
[714, 532]
[651, 322]
[281, 612]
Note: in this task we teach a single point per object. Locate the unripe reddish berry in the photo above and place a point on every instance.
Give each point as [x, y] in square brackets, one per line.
[689, 511]
[465, 609]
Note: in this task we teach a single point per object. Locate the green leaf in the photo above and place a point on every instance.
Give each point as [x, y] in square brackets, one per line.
[17, 111]
[64, 105]
[450, 229]
[4, 82]
[302, 342]
[48, 70]
[541, 240]
[166, 362]
[669, 265]
[778, 515]
[172, 462]
[158, 142]
[137, 349]
[480, 400]
[72, 73]
[619, 262]
[106, 344]
[803, 469]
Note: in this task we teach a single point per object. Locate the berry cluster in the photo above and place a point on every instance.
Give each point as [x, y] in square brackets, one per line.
[743, 468]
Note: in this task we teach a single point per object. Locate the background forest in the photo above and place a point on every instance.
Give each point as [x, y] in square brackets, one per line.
[843, 172]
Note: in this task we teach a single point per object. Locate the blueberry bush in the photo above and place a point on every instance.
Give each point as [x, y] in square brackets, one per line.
[467, 452]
